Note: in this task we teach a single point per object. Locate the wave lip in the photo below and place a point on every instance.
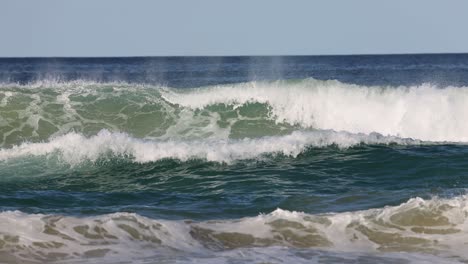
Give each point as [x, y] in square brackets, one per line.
[422, 112]
[75, 148]
[434, 227]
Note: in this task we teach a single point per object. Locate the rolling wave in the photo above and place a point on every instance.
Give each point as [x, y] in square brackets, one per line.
[435, 227]
[45, 110]
[75, 148]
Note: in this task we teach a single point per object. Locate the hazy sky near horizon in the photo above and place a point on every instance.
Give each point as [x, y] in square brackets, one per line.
[241, 27]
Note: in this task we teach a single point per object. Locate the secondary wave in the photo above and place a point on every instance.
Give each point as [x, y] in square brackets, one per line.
[433, 227]
[75, 148]
[43, 110]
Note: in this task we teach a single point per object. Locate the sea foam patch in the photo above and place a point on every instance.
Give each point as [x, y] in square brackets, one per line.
[434, 228]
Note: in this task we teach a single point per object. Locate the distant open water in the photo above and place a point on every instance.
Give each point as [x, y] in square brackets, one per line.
[331, 159]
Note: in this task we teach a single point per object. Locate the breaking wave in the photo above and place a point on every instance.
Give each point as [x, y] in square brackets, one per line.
[39, 111]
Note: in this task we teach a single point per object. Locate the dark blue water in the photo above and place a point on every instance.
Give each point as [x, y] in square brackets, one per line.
[395, 70]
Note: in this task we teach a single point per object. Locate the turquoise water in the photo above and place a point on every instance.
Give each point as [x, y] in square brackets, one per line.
[265, 171]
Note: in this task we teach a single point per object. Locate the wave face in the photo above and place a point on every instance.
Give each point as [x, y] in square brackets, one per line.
[431, 227]
[43, 110]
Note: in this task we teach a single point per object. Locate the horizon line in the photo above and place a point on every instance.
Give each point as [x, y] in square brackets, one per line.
[219, 56]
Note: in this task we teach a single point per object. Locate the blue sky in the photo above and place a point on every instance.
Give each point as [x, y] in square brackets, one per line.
[236, 27]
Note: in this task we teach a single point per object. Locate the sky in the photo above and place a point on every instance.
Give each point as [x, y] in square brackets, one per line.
[102, 28]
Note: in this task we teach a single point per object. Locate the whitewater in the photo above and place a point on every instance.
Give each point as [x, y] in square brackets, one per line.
[430, 226]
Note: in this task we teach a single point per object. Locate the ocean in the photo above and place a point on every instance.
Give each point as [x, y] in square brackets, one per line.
[299, 159]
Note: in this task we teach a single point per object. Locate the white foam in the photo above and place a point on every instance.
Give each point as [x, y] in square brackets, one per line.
[413, 231]
[75, 148]
[422, 112]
